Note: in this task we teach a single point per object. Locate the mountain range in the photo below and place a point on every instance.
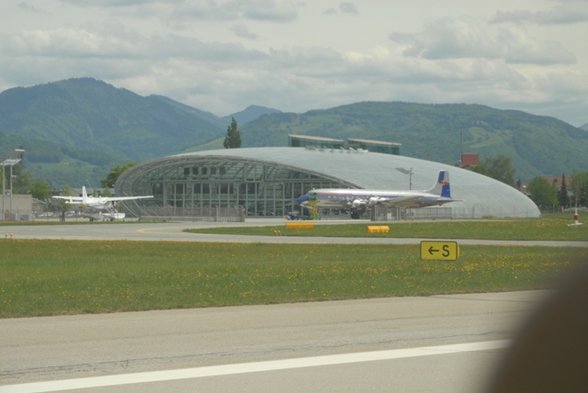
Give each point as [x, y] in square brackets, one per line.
[74, 131]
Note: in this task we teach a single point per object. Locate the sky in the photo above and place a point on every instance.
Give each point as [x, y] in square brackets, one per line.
[297, 55]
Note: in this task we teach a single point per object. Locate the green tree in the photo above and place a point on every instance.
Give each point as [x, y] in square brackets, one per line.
[499, 168]
[40, 190]
[542, 193]
[115, 172]
[60, 205]
[580, 188]
[233, 138]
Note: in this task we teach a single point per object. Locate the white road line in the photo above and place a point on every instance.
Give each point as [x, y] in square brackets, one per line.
[244, 368]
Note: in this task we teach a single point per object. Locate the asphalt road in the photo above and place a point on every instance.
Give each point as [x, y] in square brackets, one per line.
[173, 232]
[369, 345]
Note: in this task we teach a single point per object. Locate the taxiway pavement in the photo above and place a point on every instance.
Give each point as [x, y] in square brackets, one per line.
[173, 231]
[159, 343]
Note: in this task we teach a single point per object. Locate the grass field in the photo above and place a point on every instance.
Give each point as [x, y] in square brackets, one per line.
[553, 227]
[51, 277]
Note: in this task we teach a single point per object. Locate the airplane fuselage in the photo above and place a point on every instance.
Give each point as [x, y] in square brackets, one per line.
[97, 203]
[356, 198]
[98, 207]
[359, 200]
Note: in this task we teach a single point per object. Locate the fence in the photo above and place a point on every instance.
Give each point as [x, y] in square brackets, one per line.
[16, 207]
[380, 213]
[196, 213]
[17, 215]
[396, 214]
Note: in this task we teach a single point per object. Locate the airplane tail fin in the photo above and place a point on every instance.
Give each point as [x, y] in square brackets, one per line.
[442, 188]
[84, 195]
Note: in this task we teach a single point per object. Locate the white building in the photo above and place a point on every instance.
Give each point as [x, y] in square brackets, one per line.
[266, 181]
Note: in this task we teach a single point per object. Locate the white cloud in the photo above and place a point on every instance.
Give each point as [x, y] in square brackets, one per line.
[344, 7]
[232, 10]
[270, 10]
[114, 3]
[469, 38]
[25, 6]
[330, 11]
[566, 13]
[348, 8]
[84, 43]
[65, 42]
[223, 55]
[243, 32]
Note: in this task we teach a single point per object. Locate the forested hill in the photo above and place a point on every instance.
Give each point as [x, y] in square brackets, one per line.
[537, 145]
[100, 119]
[74, 131]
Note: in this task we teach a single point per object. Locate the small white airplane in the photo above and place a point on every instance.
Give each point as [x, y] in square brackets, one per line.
[98, 207]
[357, 200]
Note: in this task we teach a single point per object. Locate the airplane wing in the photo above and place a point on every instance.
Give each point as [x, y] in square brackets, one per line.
[69, 199]
[129, 198]
[414, 201]
[80, 200]
[400, 201]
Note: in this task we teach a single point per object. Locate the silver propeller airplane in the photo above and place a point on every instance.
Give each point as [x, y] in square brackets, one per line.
[359, 199]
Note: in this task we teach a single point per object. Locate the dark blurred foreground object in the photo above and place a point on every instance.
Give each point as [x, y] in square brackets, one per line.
[550, 353]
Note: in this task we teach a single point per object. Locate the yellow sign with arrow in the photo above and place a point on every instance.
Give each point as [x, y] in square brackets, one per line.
[439, 250]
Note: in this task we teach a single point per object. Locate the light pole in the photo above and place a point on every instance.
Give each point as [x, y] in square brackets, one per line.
[15, 157]
[409, 173]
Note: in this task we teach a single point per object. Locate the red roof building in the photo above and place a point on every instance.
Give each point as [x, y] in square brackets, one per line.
[469, 160]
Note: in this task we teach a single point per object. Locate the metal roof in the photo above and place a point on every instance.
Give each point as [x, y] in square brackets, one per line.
[374, 142]
[315, 138]
[481, 195]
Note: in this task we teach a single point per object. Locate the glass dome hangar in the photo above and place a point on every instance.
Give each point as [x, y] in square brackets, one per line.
[266, 181]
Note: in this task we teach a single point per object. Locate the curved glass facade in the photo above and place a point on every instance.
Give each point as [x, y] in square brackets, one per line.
[266, 181]
[192, 186]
